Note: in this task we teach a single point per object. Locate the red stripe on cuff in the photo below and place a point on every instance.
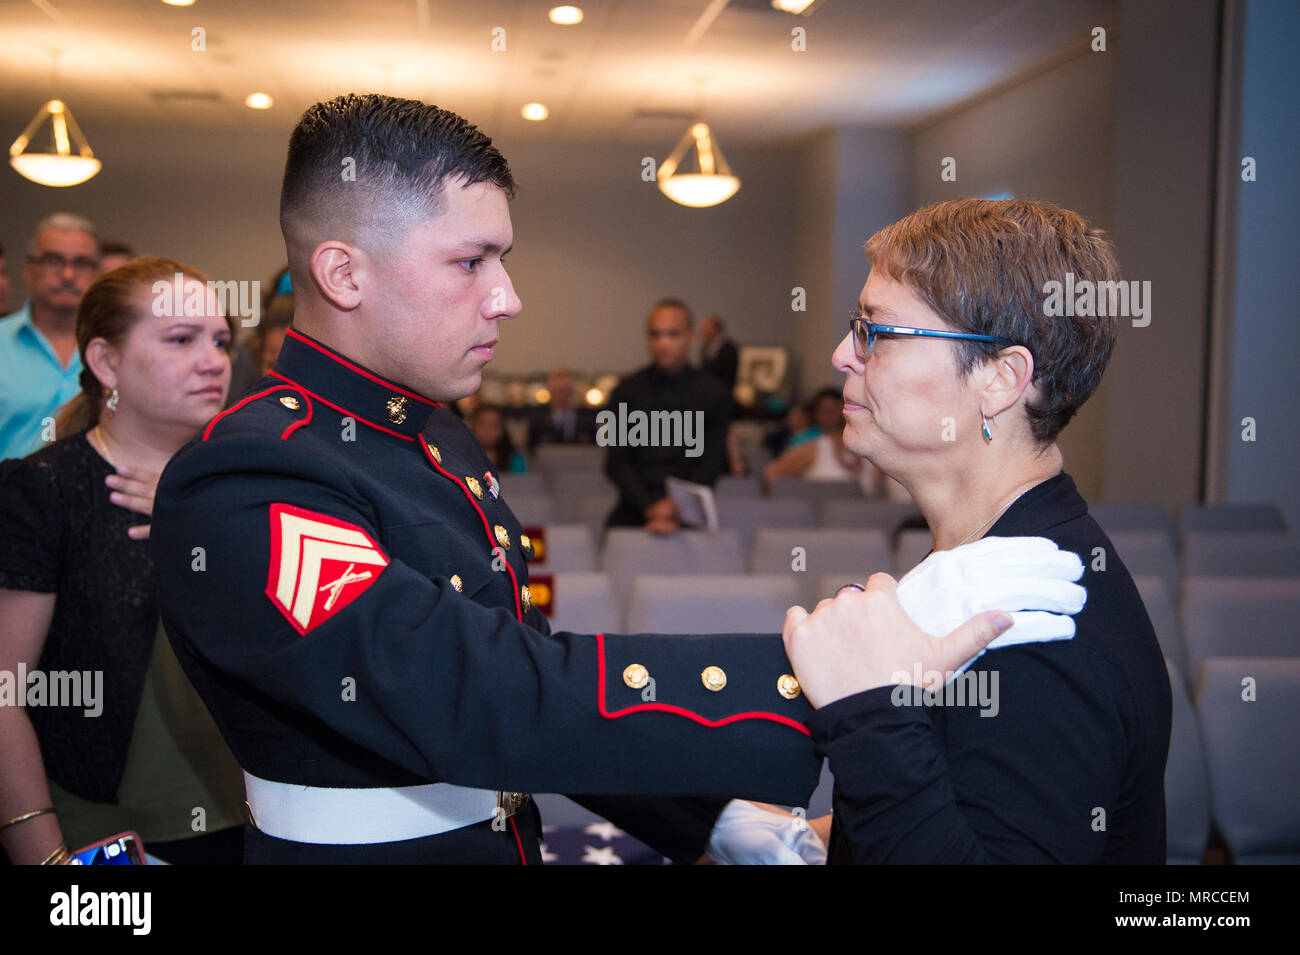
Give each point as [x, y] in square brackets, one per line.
[677, 710]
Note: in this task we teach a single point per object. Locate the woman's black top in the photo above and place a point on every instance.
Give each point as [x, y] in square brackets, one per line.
[60, 534]
[1068, 768]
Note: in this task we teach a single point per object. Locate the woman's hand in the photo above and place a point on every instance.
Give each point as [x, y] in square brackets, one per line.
[133, 489]
[860, 640]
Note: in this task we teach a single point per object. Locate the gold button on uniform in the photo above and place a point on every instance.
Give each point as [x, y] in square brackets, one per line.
[397, 409]
[457, 583]
[526, 598]
[526, 543]
[636, 676]
[713, 678]
[291, 402]
[474, 487]
[437, 455]
[788, 686]
[503, 537]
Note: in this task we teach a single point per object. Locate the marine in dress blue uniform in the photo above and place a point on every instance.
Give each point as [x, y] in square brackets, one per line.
[347, 589]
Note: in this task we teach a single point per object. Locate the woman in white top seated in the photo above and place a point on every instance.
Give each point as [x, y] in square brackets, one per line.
[825, 458]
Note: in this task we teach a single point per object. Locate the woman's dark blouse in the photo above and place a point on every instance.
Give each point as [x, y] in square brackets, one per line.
[60, 534]
[1070, 769]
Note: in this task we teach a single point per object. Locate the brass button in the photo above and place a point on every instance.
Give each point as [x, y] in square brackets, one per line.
[457, 583]
[475, 488]
[713, 678]
[526, 543]
[290, 402]
[636, 676]
[526, 598]
[503, 537]
[397, 409]
[437, 455]
[788, 686]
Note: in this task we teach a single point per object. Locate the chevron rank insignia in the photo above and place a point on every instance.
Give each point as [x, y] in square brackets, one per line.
[319, 565]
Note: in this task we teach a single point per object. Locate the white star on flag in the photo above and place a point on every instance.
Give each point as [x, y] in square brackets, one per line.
[606, 830]
[605, 856]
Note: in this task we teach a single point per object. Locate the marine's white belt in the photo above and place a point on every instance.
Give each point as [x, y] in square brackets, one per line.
[328, 816]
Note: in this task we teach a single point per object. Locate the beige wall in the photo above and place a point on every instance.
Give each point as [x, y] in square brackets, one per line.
[595, 246]
[1048, 137]
[1164, 202]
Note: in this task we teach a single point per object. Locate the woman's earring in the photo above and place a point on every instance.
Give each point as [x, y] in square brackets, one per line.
[111, 403]
[984, 429]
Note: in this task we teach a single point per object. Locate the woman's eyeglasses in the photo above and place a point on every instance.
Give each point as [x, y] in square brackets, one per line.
[865, 332]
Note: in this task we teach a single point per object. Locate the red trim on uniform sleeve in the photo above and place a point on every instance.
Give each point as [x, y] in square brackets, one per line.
[492, 544]
[245, 400]
[334, 356]
[318, 565]
[678, 710]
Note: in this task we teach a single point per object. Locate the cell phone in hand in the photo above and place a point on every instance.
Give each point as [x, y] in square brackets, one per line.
[125, 848]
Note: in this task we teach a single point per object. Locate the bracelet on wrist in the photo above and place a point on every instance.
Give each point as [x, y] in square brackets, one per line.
[25, 816]
[60, 856]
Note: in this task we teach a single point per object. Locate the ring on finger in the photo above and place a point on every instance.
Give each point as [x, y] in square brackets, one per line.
[857, 587]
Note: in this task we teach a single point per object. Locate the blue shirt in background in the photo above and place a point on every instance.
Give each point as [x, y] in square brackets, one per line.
[33, 383]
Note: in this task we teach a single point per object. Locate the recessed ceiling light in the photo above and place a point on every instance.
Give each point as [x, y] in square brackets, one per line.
[565, 16]
[792, 6]
[534, 111]
[258, 101]
[179, 3]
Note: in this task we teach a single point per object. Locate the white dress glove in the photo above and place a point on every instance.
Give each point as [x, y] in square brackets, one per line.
[1029, 577]
[747, 835]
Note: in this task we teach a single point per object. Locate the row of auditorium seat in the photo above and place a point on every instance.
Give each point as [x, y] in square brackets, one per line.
[1233, 761]
[566, 469]
[1207, 539]
[590, 503]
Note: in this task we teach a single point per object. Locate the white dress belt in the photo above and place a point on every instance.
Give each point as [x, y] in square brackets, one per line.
[328, 816]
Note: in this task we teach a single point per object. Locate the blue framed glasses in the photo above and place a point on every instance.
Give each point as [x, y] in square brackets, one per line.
[865, 332]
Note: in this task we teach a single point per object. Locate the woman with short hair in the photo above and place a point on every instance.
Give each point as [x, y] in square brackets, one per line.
[958, 383]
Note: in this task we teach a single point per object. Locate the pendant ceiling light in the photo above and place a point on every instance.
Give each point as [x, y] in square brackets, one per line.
[711, 185]
[59, 167]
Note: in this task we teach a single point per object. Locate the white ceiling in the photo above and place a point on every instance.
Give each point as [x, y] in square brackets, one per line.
[867, 61]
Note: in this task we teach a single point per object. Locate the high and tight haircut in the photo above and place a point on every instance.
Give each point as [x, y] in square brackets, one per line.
[370, 166]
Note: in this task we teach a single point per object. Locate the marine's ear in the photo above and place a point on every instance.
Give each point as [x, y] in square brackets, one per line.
[334, 266]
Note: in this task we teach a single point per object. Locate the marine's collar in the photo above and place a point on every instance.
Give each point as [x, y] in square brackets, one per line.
[340, 383]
